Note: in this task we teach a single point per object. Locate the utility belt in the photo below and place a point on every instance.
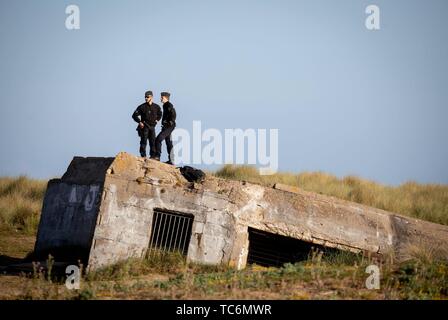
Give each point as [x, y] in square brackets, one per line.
[168, 124]
[146, 125]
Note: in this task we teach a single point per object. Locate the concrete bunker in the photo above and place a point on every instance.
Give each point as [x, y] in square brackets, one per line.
[112, 209]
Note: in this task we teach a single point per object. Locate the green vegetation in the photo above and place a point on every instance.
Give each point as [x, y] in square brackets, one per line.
[422, 201]
[167, 276]
[319, 277]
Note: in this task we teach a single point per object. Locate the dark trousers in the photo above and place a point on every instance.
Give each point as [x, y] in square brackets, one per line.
[165, 134]
[148, 134]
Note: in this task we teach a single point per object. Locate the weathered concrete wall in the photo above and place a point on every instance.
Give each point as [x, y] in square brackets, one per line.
[70, 208]
[222, 209]
[133, 188]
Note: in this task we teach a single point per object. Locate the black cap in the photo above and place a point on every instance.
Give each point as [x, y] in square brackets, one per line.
[165, 94]
[148, 93]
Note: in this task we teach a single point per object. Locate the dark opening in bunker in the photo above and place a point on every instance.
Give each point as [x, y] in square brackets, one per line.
[269, 249]
[171, 232]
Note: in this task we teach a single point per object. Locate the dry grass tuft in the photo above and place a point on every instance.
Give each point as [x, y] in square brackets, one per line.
[21, 203]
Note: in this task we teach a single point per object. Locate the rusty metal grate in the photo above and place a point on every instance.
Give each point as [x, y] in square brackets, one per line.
[171, 232]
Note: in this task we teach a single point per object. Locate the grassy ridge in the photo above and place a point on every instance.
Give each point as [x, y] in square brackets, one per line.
[422, 201]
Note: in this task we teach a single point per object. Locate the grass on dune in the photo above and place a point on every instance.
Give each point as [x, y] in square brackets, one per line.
[21, 203]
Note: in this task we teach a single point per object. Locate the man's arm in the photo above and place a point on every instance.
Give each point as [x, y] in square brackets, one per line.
[136, 115]
[173, 114]
[136, 118]
[159, 113]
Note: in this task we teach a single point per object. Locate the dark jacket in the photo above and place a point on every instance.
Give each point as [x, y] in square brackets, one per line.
[149, 114]
[169, 115]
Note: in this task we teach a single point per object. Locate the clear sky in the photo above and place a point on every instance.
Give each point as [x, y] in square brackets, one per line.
[346, 100]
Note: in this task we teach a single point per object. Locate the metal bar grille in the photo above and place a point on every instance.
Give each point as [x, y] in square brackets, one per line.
[268, 249]
[170, 232]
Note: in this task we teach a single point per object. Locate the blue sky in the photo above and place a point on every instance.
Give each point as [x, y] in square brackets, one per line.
[346, 100]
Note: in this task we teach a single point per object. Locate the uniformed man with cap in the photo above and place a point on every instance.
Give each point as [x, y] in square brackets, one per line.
[147, 115]
[168, 125]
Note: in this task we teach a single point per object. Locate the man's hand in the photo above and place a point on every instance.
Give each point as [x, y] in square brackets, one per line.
[141, 125]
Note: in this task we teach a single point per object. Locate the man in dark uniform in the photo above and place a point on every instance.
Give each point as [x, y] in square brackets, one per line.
[168, 125]
[147, 115]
